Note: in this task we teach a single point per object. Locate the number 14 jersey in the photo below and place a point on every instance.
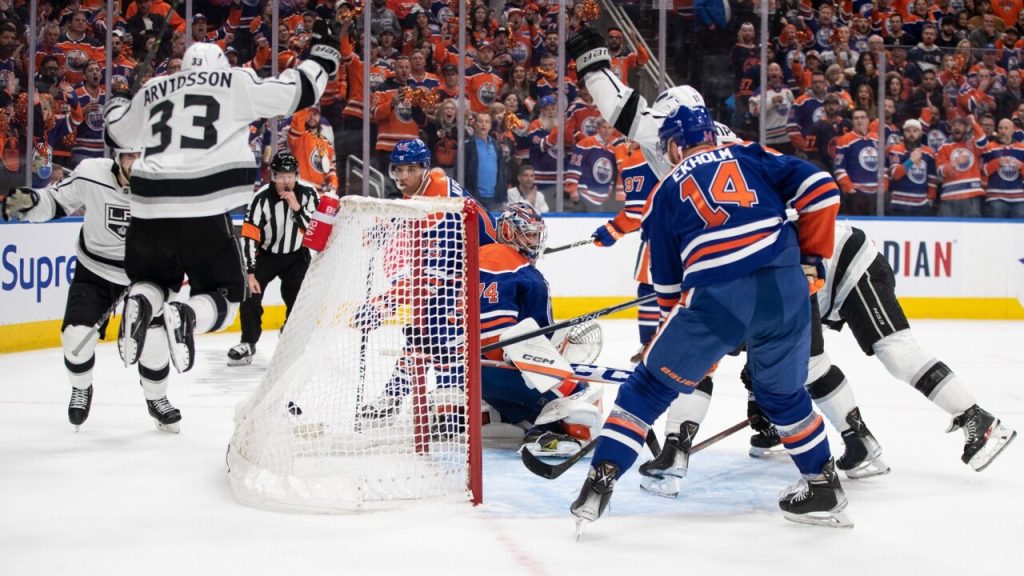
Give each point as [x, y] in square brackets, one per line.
[722, 213]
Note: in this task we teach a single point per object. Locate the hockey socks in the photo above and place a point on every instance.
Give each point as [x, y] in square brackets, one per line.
[806, 443]
[831, 392]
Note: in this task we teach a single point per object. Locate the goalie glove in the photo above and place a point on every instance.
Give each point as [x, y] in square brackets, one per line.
[607, 234]
[18, 202]
[589, 50]
[814, 270]
[324, 47]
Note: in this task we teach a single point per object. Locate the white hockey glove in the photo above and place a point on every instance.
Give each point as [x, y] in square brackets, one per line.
[18, 202]
[324, 47]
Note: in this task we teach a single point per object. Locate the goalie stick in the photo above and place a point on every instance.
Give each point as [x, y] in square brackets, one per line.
[586, 372]
[96, 327]
[570, 322]
[575, 244]
[552, 471]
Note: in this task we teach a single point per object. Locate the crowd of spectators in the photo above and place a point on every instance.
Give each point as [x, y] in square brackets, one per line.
[951, 111]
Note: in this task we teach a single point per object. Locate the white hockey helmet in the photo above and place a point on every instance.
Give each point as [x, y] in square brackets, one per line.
[725, 134]
[677, 96]
[204, 55]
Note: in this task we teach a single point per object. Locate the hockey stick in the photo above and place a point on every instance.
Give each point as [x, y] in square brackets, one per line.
[96, 327]
[575, 244]
[552, 471]
[570, 322]
[585, 372]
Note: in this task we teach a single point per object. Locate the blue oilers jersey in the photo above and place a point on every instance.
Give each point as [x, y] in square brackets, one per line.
[722, 214]
[511, 290]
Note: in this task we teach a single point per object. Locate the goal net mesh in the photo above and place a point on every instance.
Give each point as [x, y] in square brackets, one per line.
[364, 402]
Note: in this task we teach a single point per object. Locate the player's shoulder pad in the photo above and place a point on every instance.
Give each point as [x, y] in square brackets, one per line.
[97, 169]
[500, 258]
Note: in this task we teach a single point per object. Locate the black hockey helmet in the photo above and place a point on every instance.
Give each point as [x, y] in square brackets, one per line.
[284, 162]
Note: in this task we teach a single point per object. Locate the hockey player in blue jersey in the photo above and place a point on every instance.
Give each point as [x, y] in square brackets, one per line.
[513, 291]
[718, 229]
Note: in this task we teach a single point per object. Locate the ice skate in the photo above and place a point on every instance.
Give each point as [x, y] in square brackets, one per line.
[863, 455]
[985, 437]
[180, 322]
[165, 415]
[78, 407]
[549, 444]
[766, 443]
[384, 407]
[131, 336]
[661, 475]
[818, 501]
[595, 495]
[241, 354]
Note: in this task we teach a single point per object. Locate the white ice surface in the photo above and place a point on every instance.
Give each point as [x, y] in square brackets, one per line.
[121, 498]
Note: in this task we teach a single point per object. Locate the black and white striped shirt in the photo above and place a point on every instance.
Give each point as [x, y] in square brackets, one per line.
[272, 226]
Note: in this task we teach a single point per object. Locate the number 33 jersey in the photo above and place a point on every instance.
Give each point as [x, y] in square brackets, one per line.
[722, 213]
[193, 127]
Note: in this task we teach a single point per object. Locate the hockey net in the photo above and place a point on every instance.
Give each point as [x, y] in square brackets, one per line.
[388, 315]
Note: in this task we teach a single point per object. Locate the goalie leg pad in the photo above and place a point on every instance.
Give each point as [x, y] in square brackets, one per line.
[581, 408]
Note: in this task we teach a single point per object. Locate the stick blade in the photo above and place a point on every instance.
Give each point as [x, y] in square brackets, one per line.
[552, 471]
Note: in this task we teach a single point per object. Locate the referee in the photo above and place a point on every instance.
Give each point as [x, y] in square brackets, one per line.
[272, 244]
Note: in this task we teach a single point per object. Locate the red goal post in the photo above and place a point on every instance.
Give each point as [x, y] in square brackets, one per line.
[305, 440]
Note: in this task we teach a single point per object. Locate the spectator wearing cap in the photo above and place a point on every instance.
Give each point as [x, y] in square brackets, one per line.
[1009, 49]
[200, 28]
[927, 55]
[485, 176]
[959, 170]
[825, 130]
[122, 66]
[503, 59]
[483, 84]
[912, 173]
[805, 112]
[989, 61]
[450, 86]
[624, 61]
[856, 167]
[976, 94]
[1002, 162]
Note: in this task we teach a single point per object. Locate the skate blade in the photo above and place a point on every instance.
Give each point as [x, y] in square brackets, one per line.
[240, 362]
[581, 523]
[665, 487]
[569, 450]
[78, 427]
[830, 519]
[867, 469]
[1003, 437]
[773, 452]
[172, 428]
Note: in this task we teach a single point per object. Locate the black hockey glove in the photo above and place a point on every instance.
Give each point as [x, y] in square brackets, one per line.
[324, 46]
[18, 202]
[589, 51]
[755, 415]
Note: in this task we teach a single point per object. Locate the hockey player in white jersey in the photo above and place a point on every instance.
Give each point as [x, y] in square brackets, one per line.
[196, 166]
[100, 186]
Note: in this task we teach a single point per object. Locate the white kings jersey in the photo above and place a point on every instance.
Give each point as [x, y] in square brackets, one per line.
[193, 127]
[852, 255]
[94, 186]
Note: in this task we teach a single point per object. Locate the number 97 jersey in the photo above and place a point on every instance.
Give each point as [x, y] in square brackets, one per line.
[725, 212]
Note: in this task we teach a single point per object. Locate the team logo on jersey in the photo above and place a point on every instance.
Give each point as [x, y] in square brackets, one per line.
[74, 55]
[404, 112]
[119, 79]
[1009, 168]
[868, 158]
[487, 93]
[962, 159]
[823, 36]
[520, 52]
[936, 139]
[918, 173]
[118, 218]
[782, 109]
[818, 114]
[94, 119]
[893, 139]
[603, 171]
[319, 161]
[375, 79]
[590, 124]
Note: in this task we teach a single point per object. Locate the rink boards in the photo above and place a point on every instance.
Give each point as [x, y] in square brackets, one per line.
[967, 269]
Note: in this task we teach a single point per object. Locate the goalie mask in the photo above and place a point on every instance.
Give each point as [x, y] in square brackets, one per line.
[522, 226]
